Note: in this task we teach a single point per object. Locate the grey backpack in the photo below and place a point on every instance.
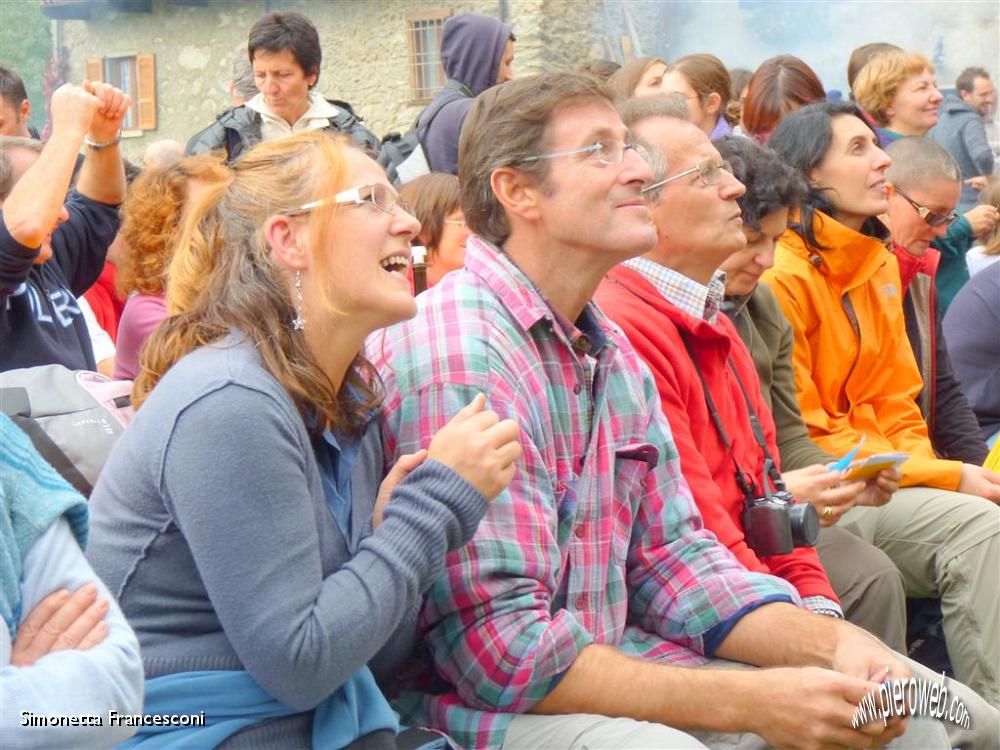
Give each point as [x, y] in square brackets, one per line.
[73, 417]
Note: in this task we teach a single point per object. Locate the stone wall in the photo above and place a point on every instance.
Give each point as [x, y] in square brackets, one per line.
[193, 47]
[364, 52]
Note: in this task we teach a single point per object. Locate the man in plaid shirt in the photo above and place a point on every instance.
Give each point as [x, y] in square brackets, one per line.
[591, 591]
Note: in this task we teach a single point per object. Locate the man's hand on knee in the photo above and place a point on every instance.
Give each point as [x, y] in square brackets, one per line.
[811, 708]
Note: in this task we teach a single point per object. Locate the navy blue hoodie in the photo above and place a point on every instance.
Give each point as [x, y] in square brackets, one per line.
[472, 47]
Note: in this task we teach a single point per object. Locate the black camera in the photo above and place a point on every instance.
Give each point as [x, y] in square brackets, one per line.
[775, 524]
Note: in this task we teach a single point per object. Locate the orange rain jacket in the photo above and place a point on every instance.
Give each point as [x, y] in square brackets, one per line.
[855, 372]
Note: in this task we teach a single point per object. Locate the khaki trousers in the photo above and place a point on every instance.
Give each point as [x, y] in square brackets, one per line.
[947, 545]
[593, 732]
[869, 585]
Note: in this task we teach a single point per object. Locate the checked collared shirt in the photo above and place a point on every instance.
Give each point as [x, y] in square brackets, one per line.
[695, 299]
[596, 540]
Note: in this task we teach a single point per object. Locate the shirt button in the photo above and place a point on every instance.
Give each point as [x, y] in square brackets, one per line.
[581, 601]
[579, 531]
[577, 389]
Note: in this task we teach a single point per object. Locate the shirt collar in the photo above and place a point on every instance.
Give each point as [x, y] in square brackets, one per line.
[319, 109]
[525, 301]
[735, 304]
[698, 300]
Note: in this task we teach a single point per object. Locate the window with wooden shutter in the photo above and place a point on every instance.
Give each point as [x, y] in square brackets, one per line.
[146, 91]
[95, 69]
[136, 76]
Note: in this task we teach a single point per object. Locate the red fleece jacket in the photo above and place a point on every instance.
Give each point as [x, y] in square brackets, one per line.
[653, 326]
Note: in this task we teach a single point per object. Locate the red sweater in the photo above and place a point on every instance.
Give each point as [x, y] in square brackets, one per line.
[653, 326]
[103, 300]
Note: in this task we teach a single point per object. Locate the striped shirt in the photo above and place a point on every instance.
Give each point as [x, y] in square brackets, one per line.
[596, 540]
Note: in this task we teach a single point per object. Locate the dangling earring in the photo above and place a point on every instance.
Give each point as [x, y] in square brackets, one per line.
[298, 322]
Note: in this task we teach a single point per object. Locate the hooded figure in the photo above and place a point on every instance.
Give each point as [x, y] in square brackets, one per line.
[473, 49]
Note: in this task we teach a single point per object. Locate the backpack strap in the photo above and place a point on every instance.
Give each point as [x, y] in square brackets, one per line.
[453, 91]
[45, 445]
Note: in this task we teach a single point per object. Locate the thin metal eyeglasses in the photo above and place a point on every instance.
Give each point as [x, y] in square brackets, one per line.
[932, 218]
[709, 173]
[608, 153]
[381, 196]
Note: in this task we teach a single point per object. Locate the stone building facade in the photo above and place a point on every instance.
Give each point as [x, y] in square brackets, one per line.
[366, 54]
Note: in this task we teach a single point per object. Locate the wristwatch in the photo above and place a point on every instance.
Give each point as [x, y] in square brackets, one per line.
[95, 146]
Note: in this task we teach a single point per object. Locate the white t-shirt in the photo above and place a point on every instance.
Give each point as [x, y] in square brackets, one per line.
[100, 340]
[977, 260]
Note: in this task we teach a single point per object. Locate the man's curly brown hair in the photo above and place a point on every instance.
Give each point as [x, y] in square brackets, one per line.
[151, 216]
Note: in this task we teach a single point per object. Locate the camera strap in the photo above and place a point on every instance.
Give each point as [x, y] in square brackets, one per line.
[743, 478]
[756, 429]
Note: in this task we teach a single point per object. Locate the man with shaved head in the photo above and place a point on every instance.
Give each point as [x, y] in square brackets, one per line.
[924, 190]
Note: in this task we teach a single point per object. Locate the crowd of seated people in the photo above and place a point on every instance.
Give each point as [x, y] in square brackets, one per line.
[599, 483]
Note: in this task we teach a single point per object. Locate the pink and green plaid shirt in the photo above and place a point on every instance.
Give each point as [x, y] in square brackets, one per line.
[597, 539]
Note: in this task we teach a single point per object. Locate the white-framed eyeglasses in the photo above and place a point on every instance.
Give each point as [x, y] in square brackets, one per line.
[377, 194]
[608, 153]
[709, 172]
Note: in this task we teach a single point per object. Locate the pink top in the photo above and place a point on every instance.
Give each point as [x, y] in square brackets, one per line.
[142, 314]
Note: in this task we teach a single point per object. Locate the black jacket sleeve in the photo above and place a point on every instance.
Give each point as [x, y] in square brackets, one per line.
[204, 141]
[16, 261]
[80, 245]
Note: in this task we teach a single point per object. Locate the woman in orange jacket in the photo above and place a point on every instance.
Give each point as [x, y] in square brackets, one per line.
[855, 375]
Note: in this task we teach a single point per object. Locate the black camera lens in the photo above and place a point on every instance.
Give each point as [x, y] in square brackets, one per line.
[805, 524]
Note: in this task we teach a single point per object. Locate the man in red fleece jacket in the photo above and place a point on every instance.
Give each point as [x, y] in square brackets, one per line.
[667, 303]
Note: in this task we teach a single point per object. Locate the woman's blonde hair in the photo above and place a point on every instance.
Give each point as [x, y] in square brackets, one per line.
[991, 197]
[151, 217]
[880, 79]
[223, 278]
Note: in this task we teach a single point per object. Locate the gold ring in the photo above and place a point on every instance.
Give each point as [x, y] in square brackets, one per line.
[827, 512]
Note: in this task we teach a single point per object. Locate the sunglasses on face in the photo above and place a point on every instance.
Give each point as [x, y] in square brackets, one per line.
[932, 218]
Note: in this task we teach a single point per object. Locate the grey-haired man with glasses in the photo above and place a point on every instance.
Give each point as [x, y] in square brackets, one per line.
[577, 615]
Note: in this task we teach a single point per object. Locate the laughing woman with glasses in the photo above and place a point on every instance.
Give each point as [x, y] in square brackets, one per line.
[261, 568]
[856, 376]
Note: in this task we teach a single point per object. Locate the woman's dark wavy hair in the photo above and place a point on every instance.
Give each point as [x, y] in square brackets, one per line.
[771, 184]
[802, 140]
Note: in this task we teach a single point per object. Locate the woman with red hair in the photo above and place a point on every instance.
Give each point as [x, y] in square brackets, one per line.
[780, 85]
[151, 217]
